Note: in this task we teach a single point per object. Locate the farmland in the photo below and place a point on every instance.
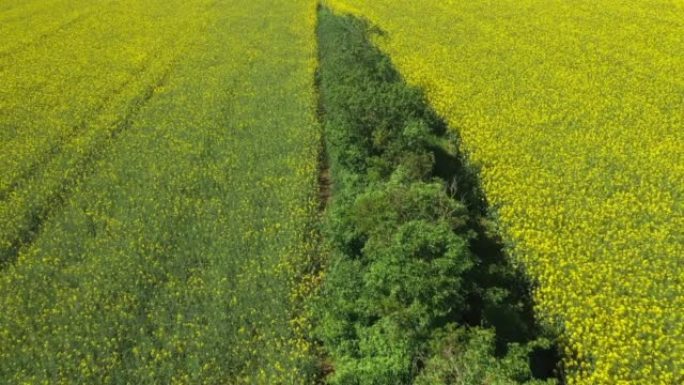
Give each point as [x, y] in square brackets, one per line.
[353, 192]
[158, 178]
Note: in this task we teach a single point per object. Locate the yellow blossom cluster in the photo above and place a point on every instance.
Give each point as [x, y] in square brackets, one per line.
[158, 168]
[574, 112]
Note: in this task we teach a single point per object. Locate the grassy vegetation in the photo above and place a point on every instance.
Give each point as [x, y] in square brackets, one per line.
[170, 152]
[572, 109]
[416, 291]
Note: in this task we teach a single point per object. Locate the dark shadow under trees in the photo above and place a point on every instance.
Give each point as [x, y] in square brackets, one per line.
[404, 301]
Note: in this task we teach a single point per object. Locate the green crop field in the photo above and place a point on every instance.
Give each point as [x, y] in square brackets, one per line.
[350, 192]
[158, 179]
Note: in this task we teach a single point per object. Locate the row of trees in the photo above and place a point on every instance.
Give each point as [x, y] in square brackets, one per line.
[415, 291]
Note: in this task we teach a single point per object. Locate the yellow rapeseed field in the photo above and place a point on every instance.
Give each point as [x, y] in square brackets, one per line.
[574, 110]
[157, 189]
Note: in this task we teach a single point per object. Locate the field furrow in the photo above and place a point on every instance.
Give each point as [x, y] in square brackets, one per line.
[42, 194]
[46, 157]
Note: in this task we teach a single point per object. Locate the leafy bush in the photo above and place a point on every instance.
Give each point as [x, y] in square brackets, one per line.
[401, 272]
[461, 356]
[404, 282]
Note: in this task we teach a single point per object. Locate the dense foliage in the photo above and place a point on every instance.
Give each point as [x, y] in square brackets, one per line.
[402, 276]
[158, 163]
[573, 110]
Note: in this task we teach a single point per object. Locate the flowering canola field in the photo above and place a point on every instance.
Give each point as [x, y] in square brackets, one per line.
[157, 181]
[574, 110]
